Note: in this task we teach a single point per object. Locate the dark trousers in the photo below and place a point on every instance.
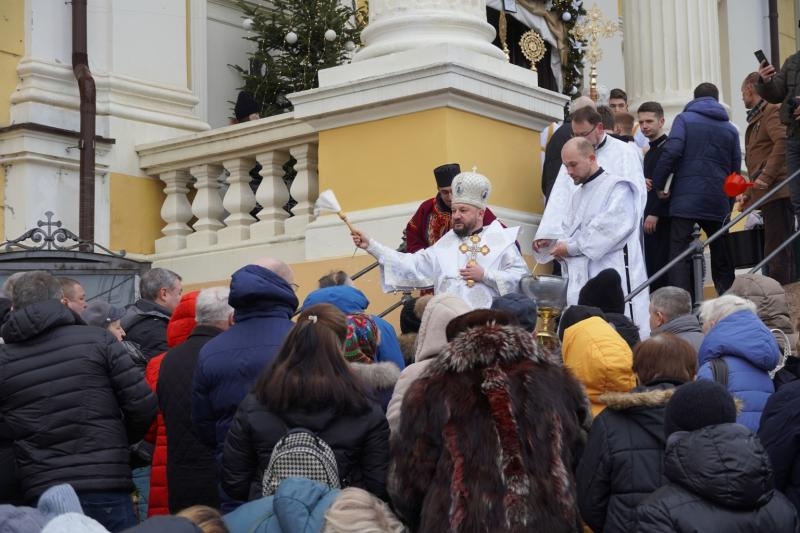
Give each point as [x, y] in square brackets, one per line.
[778, 226]
[722, 271]
[792, 165]
[656, 252]
[114, 510]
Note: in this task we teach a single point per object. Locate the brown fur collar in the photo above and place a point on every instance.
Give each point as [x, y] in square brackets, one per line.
[482, 346]
[620, 401]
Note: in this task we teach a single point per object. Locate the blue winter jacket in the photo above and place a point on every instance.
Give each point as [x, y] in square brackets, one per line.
[702, 149]
[750, 351]
[351, 300]
[298, 506]
[230, 363]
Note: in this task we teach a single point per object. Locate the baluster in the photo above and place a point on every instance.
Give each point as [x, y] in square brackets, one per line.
[305, 187]
[207, 206]
[239, 201]
[175, 211]
[272, 195]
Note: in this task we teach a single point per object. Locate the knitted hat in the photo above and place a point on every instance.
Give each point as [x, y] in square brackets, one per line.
[100, 313]
[471, 188]
[361, 343]
[72, 523]
[245, 106]
[574, 314]
[444, 174]
[58, 500]
[21, 519]
[698, 404]
[520, 306]
[604, 291]
[409, 321]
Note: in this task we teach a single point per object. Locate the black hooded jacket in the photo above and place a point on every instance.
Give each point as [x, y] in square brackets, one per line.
[73, 400]
[719, 480]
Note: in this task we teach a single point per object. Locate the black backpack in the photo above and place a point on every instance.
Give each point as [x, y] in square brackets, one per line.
[300, 453]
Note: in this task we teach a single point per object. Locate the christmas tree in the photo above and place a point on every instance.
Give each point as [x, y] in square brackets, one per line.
[293, 40]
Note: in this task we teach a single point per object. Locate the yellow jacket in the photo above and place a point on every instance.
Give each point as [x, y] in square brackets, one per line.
[599, 358]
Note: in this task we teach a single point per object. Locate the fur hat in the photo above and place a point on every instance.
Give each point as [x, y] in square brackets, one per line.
[246, 105]
[698, 404]
[361, 343]
[444, 174]
[471, 188]
[604, 291]
[100, 313]
[520, 306]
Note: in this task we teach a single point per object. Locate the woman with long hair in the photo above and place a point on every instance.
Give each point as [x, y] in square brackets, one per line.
[309, 385]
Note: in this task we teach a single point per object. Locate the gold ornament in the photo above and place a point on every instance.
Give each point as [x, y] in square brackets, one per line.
[533, 47]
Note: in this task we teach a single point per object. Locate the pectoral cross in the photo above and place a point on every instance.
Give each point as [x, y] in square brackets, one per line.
[473, 251]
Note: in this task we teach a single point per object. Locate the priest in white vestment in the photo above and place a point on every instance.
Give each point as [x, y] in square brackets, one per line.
[473, 262]
[600, 229]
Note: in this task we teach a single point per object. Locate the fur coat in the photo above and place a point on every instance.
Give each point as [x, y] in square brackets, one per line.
[489, 438]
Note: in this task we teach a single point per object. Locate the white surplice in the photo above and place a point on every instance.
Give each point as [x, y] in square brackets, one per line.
[438, 266]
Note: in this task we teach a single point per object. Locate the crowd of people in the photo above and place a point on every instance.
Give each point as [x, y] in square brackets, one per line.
[241, 409]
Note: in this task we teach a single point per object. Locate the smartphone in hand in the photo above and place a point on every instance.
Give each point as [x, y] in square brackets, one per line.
[762, 59]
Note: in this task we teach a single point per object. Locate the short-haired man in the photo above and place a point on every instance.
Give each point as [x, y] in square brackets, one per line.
[146, 321]
[191, 465]
[600, 228]
[765, 158]
[656, 212]
[618, 102]
[671, 312]
[702, 149]
[433, 217]
[74, 402]
[74, 295]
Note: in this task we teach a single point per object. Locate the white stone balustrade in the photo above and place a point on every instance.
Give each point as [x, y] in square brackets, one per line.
[201, 160]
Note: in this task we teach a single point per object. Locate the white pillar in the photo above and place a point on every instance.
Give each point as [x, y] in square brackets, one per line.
[305, 187]
[207, 206]
[239, 201]
[272, 195]
[399, 25]
[176, 211]
[671, 46]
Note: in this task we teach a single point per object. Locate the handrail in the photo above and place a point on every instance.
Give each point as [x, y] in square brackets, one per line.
[774, 252]
[368, 268]
[697, 245]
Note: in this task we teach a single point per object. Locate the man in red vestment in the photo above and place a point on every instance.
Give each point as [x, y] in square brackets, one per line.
[432, 219]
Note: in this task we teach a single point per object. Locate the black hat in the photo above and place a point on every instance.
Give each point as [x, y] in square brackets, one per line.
[444, 174]
[574, 314]
[520, 306]
[245, 106]
[409, 321]
[100, 313]
[604, 291]
[698, 404]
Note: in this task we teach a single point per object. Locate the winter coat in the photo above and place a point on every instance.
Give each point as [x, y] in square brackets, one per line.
[687, 327]
[702, 149]
[145, 323]
[350, 300]
[431, 340]
[750, 351]
[782, 89]
[772, 306]
[489, 438]
[178, 329]
[191, 467]
[789, 373]
[599, 358]
[298, 506]
[73, 399]
[359, 441]
[765, 153]
[622, 462]
[780, 434]
[9, 484]
[230, 363]
[719, 479]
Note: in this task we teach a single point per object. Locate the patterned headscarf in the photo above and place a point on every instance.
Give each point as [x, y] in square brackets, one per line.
[361, 343]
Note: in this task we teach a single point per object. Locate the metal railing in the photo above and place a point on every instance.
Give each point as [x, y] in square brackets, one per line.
[697, 246]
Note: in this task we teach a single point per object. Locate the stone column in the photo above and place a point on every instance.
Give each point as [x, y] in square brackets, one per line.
[272, 195]
[305, 187]
[238, 202]
[207, 206]
[175, 211]
[399, 25]
[671, 46]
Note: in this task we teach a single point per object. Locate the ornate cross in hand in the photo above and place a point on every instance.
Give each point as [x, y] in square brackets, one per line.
[473, 251]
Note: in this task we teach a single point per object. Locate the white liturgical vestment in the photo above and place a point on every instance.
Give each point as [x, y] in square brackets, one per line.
[438, 266]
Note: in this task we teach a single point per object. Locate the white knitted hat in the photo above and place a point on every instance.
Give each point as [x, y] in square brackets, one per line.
[471, 188]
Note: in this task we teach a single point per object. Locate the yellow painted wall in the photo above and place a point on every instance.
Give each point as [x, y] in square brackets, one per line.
[787, 26]
[12, 48]
[390, 161]
[135, 213]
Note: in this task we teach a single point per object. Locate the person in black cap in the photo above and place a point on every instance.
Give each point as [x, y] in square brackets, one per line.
[432, 219]
[718, 474]
[604, 291]
[246, 108]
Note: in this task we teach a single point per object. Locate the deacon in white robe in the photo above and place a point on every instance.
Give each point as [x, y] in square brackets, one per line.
[473, 262]
[600, 229]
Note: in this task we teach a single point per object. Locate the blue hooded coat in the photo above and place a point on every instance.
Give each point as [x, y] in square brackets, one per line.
[750, 351]
[230, 363]
[351, 300]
